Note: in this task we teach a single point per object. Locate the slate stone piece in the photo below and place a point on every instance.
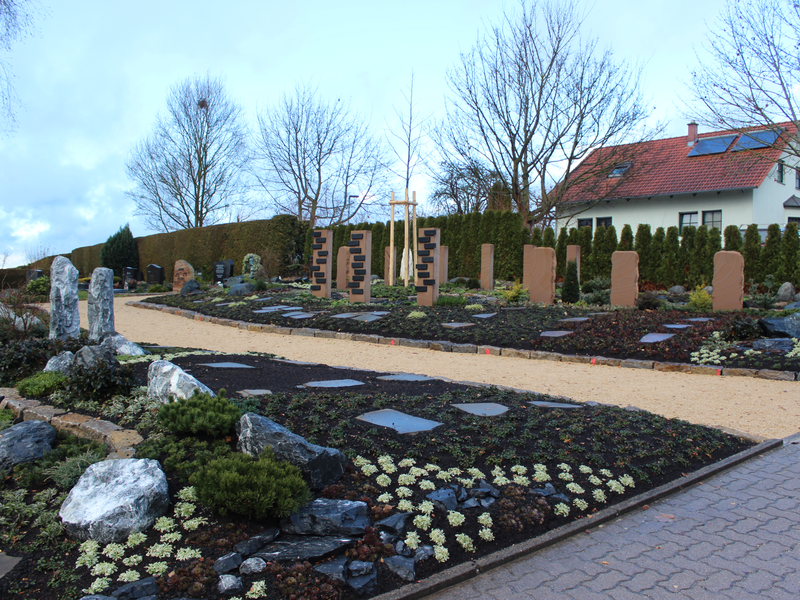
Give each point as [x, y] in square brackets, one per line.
[242, 289]
[554, 334]
[227, 365]
[401, 566]
[334, 383]
[227, 562]
[256, 542]
[325, 516]
[115, 498]
[189, 287]
[545, 404]
[445, 497]
[166, 380]
[348, 315]
[25, 442]
[137, 589]
[574, 320]
[652, 338]
[395, 523]
[335, 569]
[456, 325]
[400, 422]
[677, 326]
[700, 319]
[483, 409]
[251, 566]
[89, 356]
[366, 584]
[303, 547]
[484, 315]
[100, 303]
[781, 344]
[357, 568]
[405, 377]
[368, 318]
[65, 318]
[323, 466]
[229, 584]
[782, 326]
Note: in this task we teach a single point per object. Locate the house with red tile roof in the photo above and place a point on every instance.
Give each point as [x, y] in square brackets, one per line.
[716, 179]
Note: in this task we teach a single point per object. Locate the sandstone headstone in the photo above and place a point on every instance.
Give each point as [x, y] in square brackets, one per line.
[65, 318]
[359, 249]
[574, 253]
[182, 273]
[100, 305]
[165, 380]
[223, 270]
[539, 274]
[155, 274]
[487, 266]
[321, 263]
[624, 278]
[429, 254]
[342, 267]
[115, 498]
[387, 263]
[728, 281]
[444, 258]
[25, 442]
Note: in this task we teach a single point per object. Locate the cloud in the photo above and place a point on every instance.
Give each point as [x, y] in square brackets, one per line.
[26, 229]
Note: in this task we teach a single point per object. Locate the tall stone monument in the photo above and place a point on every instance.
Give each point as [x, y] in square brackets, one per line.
[342, 267]
[183, 273]
[65, 319]
[624, 278]
[487, 267]
[360, 250]
[428, 251]
[444, 258]
[100, 306]
[728, 281]
[539, 274]
[321, 247]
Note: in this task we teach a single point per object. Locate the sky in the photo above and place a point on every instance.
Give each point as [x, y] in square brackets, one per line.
[95, 73]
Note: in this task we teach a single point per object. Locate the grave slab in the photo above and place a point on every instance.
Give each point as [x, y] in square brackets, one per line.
[368, 318]
[253, 393]
[293, 362]
[300, 315]
[349, 315]
[264, 299]
[483, 409]
[574, 320]
[227, 365]
[456, 325]
[380, 313]
[484, 315]
[652, 338]
[545, 404]
[405, 377]
[700, 319]
[677, 326]
[554, 334]
[400, 422]
[333, 383]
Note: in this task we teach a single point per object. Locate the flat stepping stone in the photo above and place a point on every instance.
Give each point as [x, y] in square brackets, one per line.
[333, 383]
[597, 314]
[7, 563]
[300, 315]
[294, 362]
[700, 319]
[677, 326]
[483, 315]
[263, 299]
[652, 338]
[399, 421]
[574, 320]
[345, 315]
[368, 318]
[226, 365]
[380, 313]
[546, 404]
[515, 307]
[221, 304]
[254, 393]
[457, 325]
[483, 409]
[199, 301]
[554, 334]
[405, 377]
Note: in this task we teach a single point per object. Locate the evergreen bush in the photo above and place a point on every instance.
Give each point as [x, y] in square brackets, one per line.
[626, 239]
[790, 255]
[585, 242]
[686, 252]
[597, 257]
[536, 237]
[670, 271]
[40, 286]
[696, 262]
[202, 414]
[713, 246]
[771, 252]
[549, 238]
[561, 252]
[733, 239]
[41, 384]
[120, 251]
[642, 245]
[700, 300]
[451, 301]
[261, 488]
[98, 383]
[752, 254]
[571, 291]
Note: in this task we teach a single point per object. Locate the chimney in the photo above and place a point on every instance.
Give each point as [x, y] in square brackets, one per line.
[691, 139]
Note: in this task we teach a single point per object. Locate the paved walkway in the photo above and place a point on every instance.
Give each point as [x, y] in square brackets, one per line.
[734, 536]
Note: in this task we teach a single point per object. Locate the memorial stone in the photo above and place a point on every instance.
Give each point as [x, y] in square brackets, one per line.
[429, 253]
[728, 281]
[487, 267]
[444, 258]
[155, 275]
[539, 274]
[65, 318]
[574, 253]
[359, 250]
[223, 270]
[321, 268]
[100, 304]
[182, 273]
[342, 267]
[32, 274]
[624, 278]
[129, 273]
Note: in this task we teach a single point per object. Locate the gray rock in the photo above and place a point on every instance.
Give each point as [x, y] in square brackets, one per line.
[100, 304]
[387, 538]
[228, 562]
[335, 569]
[254, 543]
[299, 547]
[65, 318]
[357, 568]
[365, 584]
[782, 326]
[97, 597]
[547, 490]
[189, 287]
[242, 289]
[115, 498]
[252, 566]
[797, 297]
[61, 362]
[445, 497]
[20, 323]
[781, 344]
[483, 490]
[401, 548]
[423, 553]
[137, 589]
[786, 292]
[461, 493]
[401, 566]
[325, 516]
[25, 442]
[229, 584]
[89, 356]
[470, 503]
[709, 290]
[167, 382]
[322, 466]
[677, 289]
[487, 502]
[119, 344]
[792, 305]
[395, 523]
[232, 281]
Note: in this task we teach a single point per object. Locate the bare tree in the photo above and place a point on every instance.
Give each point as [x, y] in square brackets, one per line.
[407, 142]
[533, 98]
[188, 173]
[37, 252]
[318, 160]
[753, 75]
[460, 188]
[16, 21]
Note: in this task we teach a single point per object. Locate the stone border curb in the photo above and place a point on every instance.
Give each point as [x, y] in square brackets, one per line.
[444, 346]
[466, 571]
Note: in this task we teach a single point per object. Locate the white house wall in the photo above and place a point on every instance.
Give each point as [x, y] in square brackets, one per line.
[768, 199]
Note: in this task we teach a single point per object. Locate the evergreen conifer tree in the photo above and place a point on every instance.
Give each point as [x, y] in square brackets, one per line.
[670, 270]
[790, 246]
[685, 257]
[752, 254]
[657, 255]
[549, 238]
[697, 258]
[626, 240]
[571, 290]
[597, 257]
[733, 239]
[585, 242]
[120, 251]
[536, 237]
[561, 252]
[610, 245]
[771, 253]
[642, 244]
[572, 239]
[713, 246]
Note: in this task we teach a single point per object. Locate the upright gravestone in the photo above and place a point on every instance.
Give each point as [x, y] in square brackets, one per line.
[360, 250]
[389, 257]
[32, 274]
[183, 273]
[342, 267]
[223, 270]
[444, 257]
[100, 305]
[65, 318]
[155, 275]
[728, 281]
[487, 267]
[129, 273]
[321, 271]
[429, 253]
[539, 271]
[574, 253]
[624, 278]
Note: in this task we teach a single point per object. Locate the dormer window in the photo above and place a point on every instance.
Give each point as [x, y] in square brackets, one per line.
[619, 169]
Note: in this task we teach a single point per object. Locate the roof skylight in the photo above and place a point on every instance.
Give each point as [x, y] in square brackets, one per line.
[715, 145]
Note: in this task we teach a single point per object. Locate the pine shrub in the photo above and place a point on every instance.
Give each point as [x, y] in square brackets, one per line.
[120, 251]
[202, 414]
[642, 245]
[771, 253]
[733, 239]
[561, 252]
[40, 286]
[571, 292]
[713, 246]
[549, 238]
[698, 256]
[626, 238]
[752, 254]
[259, 488]
[98, 383]
[536, 237]
[42, 384]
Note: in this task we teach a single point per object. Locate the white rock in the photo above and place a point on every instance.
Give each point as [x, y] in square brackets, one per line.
[165, 380]
[119, 344]
[100, 305]
[65, 318]
[61, 362]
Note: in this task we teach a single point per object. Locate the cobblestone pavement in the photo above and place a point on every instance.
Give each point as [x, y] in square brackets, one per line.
[736, 535]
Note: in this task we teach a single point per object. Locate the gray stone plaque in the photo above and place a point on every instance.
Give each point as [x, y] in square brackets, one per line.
[226, 365]
[368, 318]
[400, 422]
[677, 326]
[574, 320]
[483, 409]
[554, 334]
[652, 338]
[406, 377]
[483, 315]
[545, 404]
[334, 383]
[457, 325]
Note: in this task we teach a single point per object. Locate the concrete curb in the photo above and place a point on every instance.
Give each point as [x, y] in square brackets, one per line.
[466, 571]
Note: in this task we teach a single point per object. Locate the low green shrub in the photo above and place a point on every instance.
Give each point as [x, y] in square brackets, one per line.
[65, 474]
[255, 488]
[649, 301]
[52, 464]
[700, 300]
[20, 359]
[99, 382]
[596, 284]
[40, 286]
[201, 414]
[7, 418]
[598, 297]
[473, 283]
[157, 289]
[42, 384]
[417, 314]
[182, 456]
[473, 307]
[515, 294]
[451, 301]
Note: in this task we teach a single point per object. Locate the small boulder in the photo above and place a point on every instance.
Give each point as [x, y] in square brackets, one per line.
[137, 589]
[90, 356]
[232, 281]
[322, 466]
[792, 305]
[335, 569]
[252, 566]
[242, 289]
[61, 362]
[445, 498]
[254, 543]
[25, 442]
[786, 293]
[23, 323]
[119, 344]
[167, 382]
[782, 326]
[677, 289]
[401, 566]
[358, 568]
[229, 584]
[189, 287]
[228, 562]
[364, 584]
[325, 516]
[395, 524]
[115, 498]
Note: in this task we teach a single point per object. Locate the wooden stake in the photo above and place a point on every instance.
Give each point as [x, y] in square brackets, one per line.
[391, 246]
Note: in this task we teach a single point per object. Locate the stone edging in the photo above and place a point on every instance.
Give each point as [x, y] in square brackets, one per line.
[120, 441]
[460, 573]
[443, 346]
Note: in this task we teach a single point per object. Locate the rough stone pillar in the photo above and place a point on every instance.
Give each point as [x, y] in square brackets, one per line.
[65, 318]
[539, 270]
[360, 256]
[342, 267]
[183, 273]
[444, 257]
[574, 253]
[728, 281]
[487, 267]
[387, 263]
[429, 253]
[527, 259]
[321, 271]
[624, 278]
[101, 303]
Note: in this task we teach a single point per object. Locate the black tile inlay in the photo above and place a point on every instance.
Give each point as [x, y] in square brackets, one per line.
[316, 234]
[420, 288]
[361, 257]
[322, 253]
[356, 236]
[429, 246]
[423, 240]
[357, 265]
[316, 246]
[428, 281]
[428, 260]
[423, 252]
[429, 232]
[359, 272]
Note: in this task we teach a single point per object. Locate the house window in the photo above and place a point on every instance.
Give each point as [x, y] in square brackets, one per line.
[712, 218]
[603, 222]
[779, 173]
[584, 223]
[794, 220]
[797, 179]
[686, 220]
[619, 170]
